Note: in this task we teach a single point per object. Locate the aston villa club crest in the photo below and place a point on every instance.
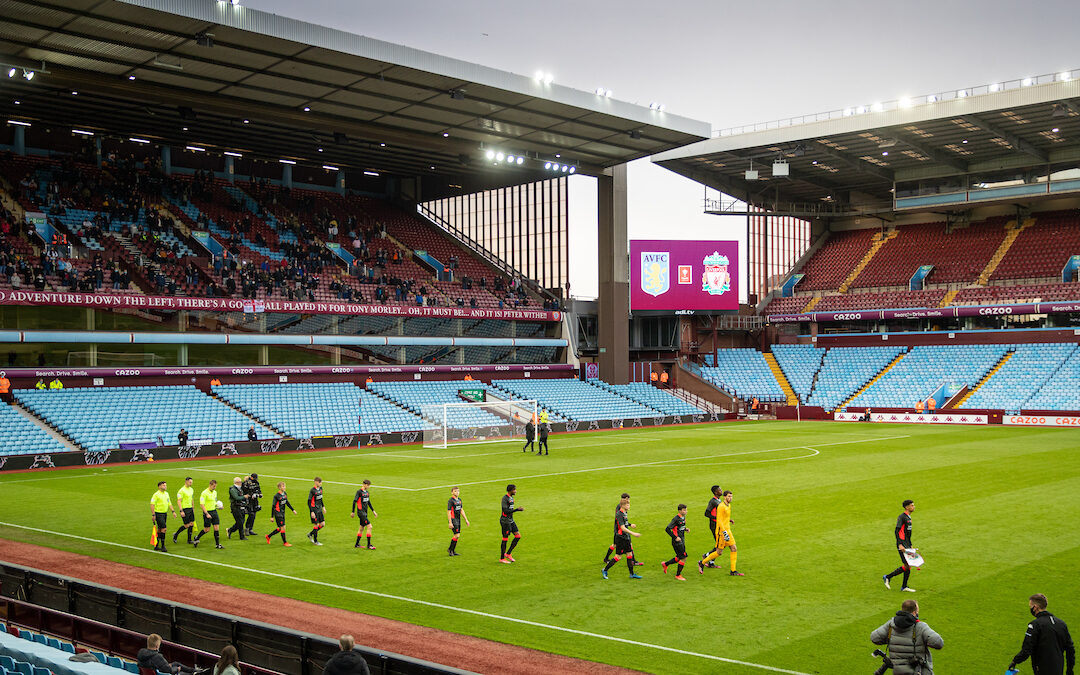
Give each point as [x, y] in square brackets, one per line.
[655, 272]
[715, 280]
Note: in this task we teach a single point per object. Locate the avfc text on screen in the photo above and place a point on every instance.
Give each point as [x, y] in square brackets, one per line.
[670, 275]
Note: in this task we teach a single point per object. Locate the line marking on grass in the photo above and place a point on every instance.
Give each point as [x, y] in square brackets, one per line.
[813, 453]
[425, 603]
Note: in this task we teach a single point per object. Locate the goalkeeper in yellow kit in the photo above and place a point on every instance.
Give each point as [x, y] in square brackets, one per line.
[724, 537]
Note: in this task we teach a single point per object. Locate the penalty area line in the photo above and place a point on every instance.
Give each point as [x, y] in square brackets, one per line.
[436, 605]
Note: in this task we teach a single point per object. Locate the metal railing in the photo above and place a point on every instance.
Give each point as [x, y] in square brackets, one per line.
[902, 103]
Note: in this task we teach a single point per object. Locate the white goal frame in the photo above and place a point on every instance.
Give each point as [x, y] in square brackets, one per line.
[464, 423]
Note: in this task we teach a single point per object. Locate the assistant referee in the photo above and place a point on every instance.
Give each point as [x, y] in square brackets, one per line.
[160, 505]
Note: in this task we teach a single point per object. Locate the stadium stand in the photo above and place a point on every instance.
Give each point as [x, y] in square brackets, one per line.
[837, 256]
[304, 410]
[800, 364]
[1019, 378]
[576, 400]
[1059, 392]
[844, 370]
[648, 395]
[19, 436]
[924, 369]
[1042, 249]
[99, 419]
[744, 373]
[418, 397]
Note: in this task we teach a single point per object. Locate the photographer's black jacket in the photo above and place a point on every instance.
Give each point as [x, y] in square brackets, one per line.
[236, 497]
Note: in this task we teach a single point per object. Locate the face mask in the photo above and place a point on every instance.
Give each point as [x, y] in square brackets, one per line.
[1034, 612]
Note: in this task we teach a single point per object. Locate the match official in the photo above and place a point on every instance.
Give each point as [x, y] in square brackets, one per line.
[185, 501]
[160, 505]
[208, 501]
[1047, 642]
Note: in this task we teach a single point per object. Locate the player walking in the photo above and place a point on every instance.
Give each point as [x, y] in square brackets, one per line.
[160, 505]
[622, 540]
[710, 513]
[454, 514]
[676, 529]
[530, 434]
[281, 502]
[506, 522]
[543, 429]
[903, 541]
[724, 537]
[316, 510]
[361, 504]
[185, 502]
[611, 549]
[208, 502]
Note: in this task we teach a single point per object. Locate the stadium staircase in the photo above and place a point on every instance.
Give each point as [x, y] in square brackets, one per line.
[812, 304]
[1012, 232]
[874, 379]
[54, 432]
[949, 297]
[255, 419]
[781, 379]
[984, 380]
[879, 241]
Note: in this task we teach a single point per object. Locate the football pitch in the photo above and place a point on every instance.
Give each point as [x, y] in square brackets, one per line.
[814, 508]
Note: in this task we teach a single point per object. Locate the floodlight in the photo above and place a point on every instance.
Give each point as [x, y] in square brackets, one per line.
[661, 107]
[499, 156]
[509, 159]
[848, 112]
[539, 76]
[82, 132]
[1027, 82]
[1065, 77]
[861, 110]
[599, 91]
[11, 72]
[961, 93]
[548, 78]
[235, 2]
[307, 109]
[547, 165]
[877, 107]
[932, 98]
[573, 169]
[371, 173]
[18, 123]
[247, 122]
[131, 77]
[490, 154]
[287, 161]
[446, 134]
[1055, 130]
[884, 153]
[28, 74]
[905, 102]
[330, 168]
[565, 168]
[520, 159]
[138, 140]
[230, 153]
[194, 148]
[995, 87]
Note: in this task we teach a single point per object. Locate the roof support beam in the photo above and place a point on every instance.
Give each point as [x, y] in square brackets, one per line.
[936, 155]
[1015, 141]
[860, 165]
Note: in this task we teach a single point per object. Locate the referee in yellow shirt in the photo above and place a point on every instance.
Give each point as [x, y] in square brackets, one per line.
[160, 505]
[185, 501]
[208, 502]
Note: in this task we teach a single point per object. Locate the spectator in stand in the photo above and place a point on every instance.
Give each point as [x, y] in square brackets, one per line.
[56, 384]
[5, 387]
[931, 405]
[229, 663]
[16, 280]
[39, 280]
[215, 382]
[653, 377]
[346, 662]
[40, 386]
[149, 657]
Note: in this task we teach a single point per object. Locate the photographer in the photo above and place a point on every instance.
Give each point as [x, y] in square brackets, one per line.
[253, 493]
[238, 506]
[908, 641]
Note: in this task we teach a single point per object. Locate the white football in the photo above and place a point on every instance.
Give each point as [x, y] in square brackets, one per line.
[219, 504]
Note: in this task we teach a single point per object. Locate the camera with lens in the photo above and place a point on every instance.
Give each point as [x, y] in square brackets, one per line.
[886, 662]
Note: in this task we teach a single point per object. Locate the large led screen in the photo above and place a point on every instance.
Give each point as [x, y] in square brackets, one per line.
[684, 275]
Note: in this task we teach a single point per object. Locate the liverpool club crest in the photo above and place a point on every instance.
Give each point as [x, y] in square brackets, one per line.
[716, 280]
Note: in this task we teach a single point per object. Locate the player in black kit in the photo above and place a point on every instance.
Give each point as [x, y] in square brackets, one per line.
[622, 540]
[506, 522]
[281, 502]
[316, 510]
[454, 514]
[361, 505]
[530, 434]
[710, 513]
[676, 529]
[903, 541]
[542, 431]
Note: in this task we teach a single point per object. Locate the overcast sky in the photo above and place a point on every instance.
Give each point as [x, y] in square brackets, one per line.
[725, 63]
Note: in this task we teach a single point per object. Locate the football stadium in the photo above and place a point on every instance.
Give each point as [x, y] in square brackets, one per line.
[308, 296]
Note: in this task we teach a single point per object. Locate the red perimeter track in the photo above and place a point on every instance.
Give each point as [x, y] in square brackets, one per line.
[459, 651]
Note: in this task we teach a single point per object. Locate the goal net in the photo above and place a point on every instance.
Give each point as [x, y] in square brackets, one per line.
[476, 422]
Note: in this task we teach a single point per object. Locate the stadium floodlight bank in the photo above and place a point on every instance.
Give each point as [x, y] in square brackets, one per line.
[477, 422]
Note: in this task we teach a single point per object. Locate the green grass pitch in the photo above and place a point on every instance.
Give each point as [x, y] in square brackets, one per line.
[814, 510]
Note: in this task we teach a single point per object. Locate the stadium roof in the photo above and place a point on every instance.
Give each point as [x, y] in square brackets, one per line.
[848, 162]
[152, 67]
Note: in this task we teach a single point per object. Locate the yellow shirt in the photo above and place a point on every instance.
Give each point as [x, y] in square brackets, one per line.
[543, 417]
[186, 496]
[723, 517]
[208, 499]
[161, 502]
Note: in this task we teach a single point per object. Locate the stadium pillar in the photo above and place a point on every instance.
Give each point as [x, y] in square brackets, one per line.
[97, 150]
[286, 175]
[166, 159]
[230, 167]
[613, 325]
[20, 140]
[340, 182]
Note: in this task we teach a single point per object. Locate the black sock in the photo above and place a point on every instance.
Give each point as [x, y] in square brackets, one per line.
[512, 545]
[907, 573]
[453, 545]
[630, 564]
[357, 540]
[189, 529]
[177, 533]
[607, 556]
[895, 573]
[369, 540]
[503, 554]
[610, 564]
[283, 539]
[217, 537]
[680, 569]
[199, 535]
[672, 561]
